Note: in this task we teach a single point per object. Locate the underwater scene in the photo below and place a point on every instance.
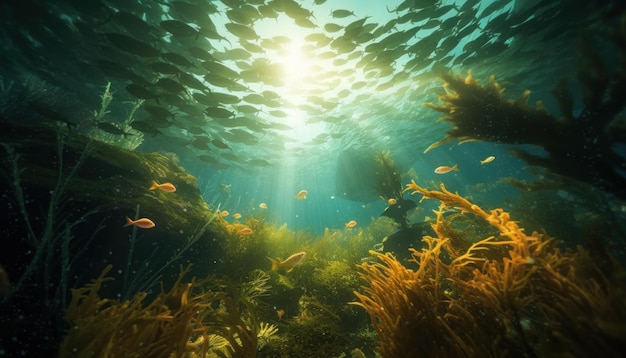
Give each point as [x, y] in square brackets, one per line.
[313, 178]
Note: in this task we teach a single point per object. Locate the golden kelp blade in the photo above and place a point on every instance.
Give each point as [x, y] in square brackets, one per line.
[513, 292]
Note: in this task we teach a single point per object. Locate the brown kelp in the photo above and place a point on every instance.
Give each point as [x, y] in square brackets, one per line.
[579, 146]
[211, 316]
[110, 328]
[511, 293]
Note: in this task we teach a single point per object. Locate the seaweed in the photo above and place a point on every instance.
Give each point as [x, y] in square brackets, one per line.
[509, 292]
[578, 146]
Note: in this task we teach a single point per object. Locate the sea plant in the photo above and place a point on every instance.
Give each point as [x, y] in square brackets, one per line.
[510, 292]
[579, 145]
[56, 234]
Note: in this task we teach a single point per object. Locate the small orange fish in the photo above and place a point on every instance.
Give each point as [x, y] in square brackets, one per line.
[263, 206]
[143, 223]
[166, 187]
[446, 169]
[245, 231]
[237, 216]
[351, 223]
[224, 213]
[280, 314]
[391, 201]
[489, 159]
[301, 194]
[288, 265]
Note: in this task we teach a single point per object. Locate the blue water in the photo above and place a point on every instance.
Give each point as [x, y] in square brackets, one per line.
[259, 114]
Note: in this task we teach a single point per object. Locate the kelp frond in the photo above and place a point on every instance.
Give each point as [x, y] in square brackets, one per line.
[110, 328]
[513, 292]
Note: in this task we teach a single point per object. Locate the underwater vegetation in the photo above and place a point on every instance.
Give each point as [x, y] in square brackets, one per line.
[479, 286]
[201, 318]
[479, 275]
[511, 293]
[579, 146]
[65, 201]
[579, 143]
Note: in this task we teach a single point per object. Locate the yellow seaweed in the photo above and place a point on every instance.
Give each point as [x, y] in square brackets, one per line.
[509, 294]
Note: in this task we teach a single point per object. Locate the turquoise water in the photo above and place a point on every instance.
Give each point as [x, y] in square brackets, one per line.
[258, 100]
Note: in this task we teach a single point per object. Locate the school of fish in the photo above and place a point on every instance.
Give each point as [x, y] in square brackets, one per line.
[213, 79]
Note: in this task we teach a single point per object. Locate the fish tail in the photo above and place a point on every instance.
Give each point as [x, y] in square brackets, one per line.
[455, 167]
[129, 222]
[154, 186]
[275, 263]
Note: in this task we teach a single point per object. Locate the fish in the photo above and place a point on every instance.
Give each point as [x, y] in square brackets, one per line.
[331, 27]
[280, 314]
[350, 224]
[263, 206]
[489, 159]
[166, 187]
[141, 92]
[158, 113]
[177, 59]
[399, 210]
[236, 216]
[446, 169]
[224, 213]
[391, 201]
[131, 45]
[245, 231]
[143, 223]
[112, 129]
[287, 265]
[241, 31]
[338, 14]
[301, 194]
[178, 28]
[170, 85]
[164, 68]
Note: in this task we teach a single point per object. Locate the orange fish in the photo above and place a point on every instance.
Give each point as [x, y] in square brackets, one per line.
[280, 314]
[489, 159]
[143, 223]
[245, 231]
[446, 169]
[263, 206]
[167, 187]
[391, 201]
[351, 223]
[301, 194]
[288, 265]
[237, 216]
[224, 213]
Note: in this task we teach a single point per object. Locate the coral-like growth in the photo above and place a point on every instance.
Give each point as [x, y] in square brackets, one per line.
[578, 146]
[511, 293]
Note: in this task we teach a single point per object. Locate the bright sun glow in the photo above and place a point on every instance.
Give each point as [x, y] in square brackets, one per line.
[297, 68]
[296, 65]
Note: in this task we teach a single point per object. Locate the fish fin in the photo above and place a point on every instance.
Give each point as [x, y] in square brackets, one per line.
[129, 222]
[455, 167]
[154, 186]
[275, 263]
